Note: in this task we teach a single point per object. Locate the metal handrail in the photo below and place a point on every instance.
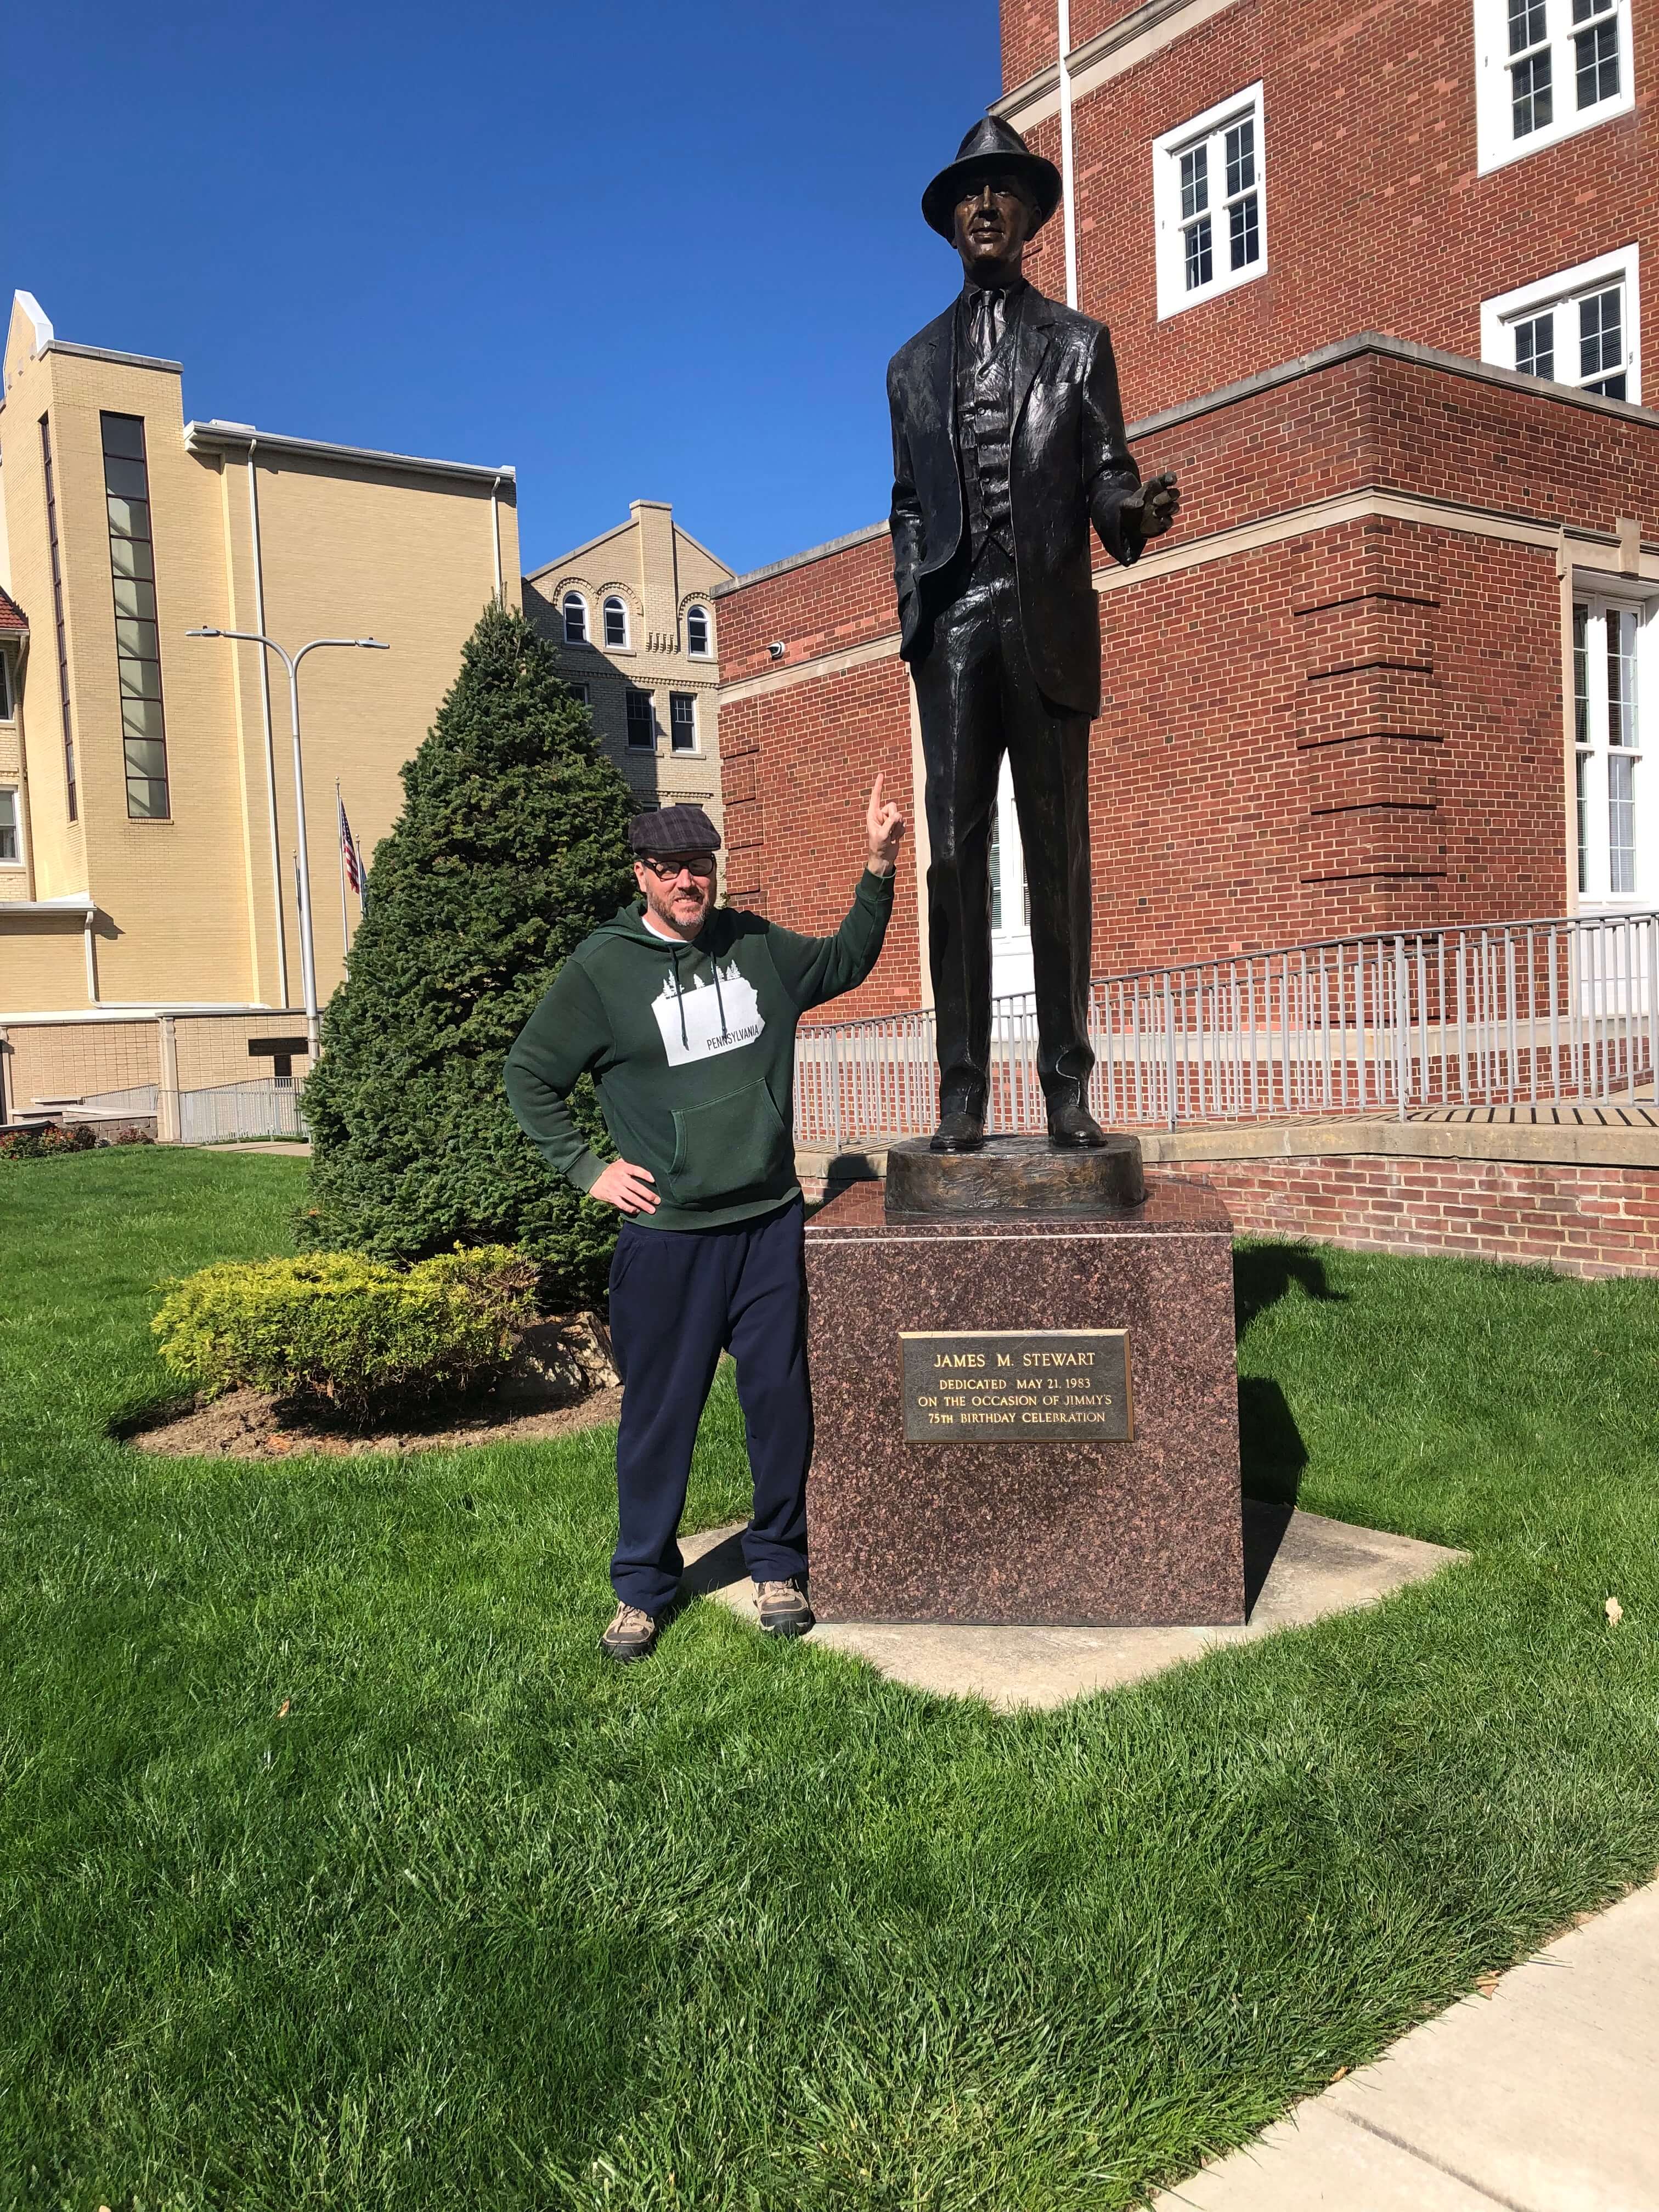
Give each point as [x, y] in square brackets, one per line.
[1388, 1022]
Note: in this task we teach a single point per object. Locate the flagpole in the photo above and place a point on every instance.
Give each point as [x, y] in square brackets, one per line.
[339, 854]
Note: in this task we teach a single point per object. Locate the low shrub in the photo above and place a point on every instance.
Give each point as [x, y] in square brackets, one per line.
[41, 1144]
[352, 1333]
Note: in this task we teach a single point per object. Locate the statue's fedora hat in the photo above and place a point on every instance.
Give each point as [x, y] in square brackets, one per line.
[992, 148]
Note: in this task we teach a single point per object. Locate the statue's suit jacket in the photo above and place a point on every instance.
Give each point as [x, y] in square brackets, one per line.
[1069, 465]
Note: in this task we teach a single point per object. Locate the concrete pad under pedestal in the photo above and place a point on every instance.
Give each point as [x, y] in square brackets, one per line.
[1298, 1567]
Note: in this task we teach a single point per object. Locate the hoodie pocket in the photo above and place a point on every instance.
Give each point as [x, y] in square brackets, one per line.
[728, 1146]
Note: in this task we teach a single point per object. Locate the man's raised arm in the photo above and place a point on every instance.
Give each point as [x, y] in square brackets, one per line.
[814, 969]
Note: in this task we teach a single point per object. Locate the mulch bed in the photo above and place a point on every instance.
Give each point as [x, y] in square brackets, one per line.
[250, 1425]
[560, 1381]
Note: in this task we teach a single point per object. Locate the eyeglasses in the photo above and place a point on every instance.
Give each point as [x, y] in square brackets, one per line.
[693, 863]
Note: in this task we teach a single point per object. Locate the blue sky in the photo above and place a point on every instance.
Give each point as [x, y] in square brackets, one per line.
[640, 250]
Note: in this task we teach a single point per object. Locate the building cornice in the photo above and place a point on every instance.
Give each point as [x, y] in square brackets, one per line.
[1124, 46]
[202, 439]
[800, 560]
[109, 353]
[1576, 550]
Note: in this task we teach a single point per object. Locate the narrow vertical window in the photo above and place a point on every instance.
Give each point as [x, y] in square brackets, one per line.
[574, 607]
[1532, 90]
[1581, 734]
[71, 792]
[9, 853]
[616, 625]
[682, 722]
[1195, 215]
[641, 723]
[1614, 833]
[697, 633]
[5, 689]
[1596, 50]
[1601, 342]
[1535, 346]
[1243, 230]
[137, 641]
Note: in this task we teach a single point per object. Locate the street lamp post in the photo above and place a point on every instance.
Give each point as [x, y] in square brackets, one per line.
[291, 662]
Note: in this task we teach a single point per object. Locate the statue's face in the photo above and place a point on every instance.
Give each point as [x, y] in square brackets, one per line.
[993, 224]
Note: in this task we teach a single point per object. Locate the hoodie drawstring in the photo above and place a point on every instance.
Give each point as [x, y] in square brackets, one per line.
[718, 1001]
[679, 996]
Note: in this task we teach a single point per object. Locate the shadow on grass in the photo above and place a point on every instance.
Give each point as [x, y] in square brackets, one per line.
[1264, 1273]
[1271, 1452]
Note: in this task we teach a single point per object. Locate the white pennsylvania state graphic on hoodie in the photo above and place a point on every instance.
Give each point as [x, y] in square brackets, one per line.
[719, 1013]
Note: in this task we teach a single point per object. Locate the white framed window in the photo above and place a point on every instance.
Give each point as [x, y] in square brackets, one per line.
[682, 722]
[11, 850]
[581, 691]
[1581, 327]
[1617, 809]
[641, 723]
[1209, 203]
[573, 608]
[1547, 69]
[616, 625]
[698, 634]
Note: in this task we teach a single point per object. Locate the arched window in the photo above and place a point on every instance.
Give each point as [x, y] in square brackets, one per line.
[697, 633]
[616, 623]
[574, 608]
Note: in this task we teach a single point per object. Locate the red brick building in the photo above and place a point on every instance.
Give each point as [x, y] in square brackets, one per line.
[1375, 278]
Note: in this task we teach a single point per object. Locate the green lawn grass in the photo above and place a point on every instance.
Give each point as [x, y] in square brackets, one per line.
[478, 1921]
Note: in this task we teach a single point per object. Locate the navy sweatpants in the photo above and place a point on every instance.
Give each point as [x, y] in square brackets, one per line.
[678, 1299]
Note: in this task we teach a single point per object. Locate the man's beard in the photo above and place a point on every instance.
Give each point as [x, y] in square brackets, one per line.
[662, 909]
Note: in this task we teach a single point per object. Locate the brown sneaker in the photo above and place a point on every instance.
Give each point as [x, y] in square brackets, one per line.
[630, 1635]
[783, 1607]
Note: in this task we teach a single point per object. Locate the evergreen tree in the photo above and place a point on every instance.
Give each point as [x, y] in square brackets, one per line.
[511, 846]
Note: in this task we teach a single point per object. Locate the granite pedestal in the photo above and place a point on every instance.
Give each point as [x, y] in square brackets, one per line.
[1139, 1528]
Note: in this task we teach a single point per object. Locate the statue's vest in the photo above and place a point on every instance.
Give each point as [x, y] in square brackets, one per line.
[985, 402]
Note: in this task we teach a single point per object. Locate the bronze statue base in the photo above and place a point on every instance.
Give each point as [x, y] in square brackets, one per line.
[1015, 1175]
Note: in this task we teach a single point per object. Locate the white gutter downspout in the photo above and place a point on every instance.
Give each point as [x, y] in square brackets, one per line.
[496, 532]
[270, 750]
[92, 956]
[1066, 175]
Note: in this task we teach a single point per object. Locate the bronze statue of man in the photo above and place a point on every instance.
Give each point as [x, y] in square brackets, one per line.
[1008, 443]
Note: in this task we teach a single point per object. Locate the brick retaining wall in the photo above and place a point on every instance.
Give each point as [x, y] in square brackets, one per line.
[1595, 1220]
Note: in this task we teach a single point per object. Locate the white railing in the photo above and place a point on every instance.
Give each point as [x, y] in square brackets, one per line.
[241, 1109]
[1524, 1013]
[139, 1101]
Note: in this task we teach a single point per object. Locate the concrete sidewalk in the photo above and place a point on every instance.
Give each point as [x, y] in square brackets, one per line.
[1541, 2098]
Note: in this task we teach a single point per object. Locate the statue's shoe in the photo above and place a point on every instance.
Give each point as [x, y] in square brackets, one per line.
[958, 1131]
[1074, 1125]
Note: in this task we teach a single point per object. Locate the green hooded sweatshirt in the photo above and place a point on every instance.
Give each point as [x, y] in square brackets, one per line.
[692, 1047]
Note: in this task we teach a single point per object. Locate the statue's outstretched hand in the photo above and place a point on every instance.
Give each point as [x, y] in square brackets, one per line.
[1155, 507]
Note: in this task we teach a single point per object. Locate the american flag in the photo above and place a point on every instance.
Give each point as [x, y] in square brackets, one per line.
[351, 858]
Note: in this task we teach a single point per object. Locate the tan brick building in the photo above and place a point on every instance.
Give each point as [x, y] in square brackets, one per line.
[148, 828]
[632, 617]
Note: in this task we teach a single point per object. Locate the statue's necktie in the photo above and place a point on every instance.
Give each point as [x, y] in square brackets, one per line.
[988, 323]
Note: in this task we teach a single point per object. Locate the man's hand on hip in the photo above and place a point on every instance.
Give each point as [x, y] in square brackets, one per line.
[630, 1189]
[884, 825]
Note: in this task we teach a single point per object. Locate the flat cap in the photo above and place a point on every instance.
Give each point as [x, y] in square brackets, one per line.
[670, 829]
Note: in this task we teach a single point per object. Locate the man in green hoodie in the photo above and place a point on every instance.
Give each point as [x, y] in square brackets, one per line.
[683, 1012]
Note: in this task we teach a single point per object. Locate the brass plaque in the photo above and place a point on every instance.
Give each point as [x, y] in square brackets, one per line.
[1017, 1386]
